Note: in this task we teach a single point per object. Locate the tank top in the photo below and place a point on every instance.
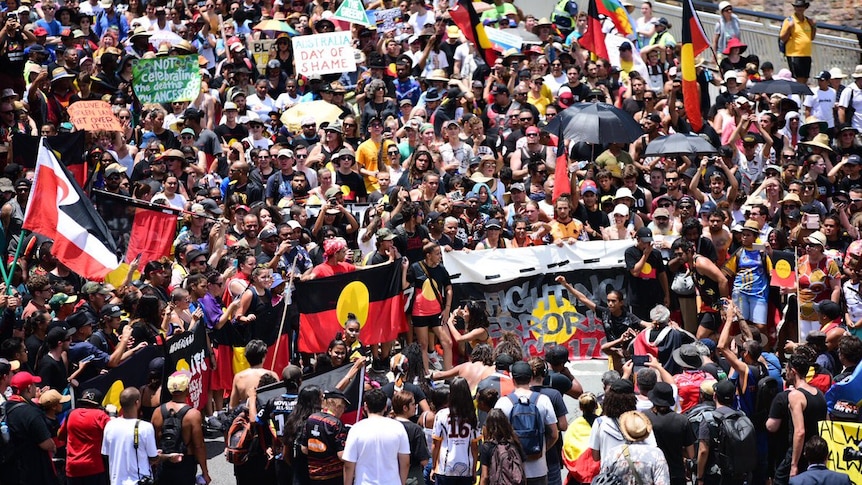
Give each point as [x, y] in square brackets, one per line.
[815, 410]
[707, 289]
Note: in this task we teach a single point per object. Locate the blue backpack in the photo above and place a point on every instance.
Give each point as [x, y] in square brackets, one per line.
[528, 424]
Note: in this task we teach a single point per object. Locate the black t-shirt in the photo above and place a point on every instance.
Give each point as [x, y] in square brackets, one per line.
[418, 395]
[356, 184]
[558, 381]
[672, 433]
[644, 289]
[277, 409]
[227, 133]
[615, 326]
[410, 245]
[418, 444]
[597, 220]
[324, 436]
[632, 106]
[27, 428]
[53, 373]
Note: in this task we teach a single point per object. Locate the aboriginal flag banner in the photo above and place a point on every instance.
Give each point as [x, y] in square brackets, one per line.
[327, 381]
[189, 352]
[130, 373]
[373, 295]
[67, 147]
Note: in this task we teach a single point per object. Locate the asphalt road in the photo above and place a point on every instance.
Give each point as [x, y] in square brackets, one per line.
[589, 373]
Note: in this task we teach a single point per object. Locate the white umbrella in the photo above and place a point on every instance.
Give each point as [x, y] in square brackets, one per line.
[161, 36]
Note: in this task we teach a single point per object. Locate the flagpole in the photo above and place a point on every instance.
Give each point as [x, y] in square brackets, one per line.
[8, 276]
[143, 204]
[286, 294]
[5, 243]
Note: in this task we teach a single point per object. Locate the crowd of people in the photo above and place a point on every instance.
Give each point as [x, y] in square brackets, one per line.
[433, 149]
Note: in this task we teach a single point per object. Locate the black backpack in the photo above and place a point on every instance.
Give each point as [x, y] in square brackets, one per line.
[6, 448]
[735, 443]
[172, 430]
[767, 388]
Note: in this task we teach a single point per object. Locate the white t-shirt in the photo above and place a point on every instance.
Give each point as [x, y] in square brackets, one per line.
[418, 20]
[532, 468]
[119, 445]
[455, 459]
[377, 441]
[605, 435]
[851, 97]
[821, 104]
[261, 107]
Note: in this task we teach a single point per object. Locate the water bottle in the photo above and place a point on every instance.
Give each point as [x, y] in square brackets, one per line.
[4, 431]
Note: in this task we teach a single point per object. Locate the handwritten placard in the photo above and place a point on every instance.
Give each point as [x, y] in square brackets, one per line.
[840, 435]
[386, 20]
[166, 79]
[93, 116]
[327, 53]
[260, 51]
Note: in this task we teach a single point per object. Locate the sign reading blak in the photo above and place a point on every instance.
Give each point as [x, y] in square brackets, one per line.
[328, 53]
[260, 50]
[167, 79]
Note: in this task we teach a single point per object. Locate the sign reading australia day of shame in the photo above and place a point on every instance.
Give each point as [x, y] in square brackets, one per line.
[167, 79]
[328, 53]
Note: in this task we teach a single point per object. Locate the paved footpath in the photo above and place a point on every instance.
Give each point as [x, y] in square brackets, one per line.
[589, 373]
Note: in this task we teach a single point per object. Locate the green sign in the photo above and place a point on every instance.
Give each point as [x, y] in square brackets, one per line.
[167, 79]
[352, 11]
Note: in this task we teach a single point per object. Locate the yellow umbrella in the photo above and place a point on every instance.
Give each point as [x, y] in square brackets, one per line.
[275, 26]
[319, 110]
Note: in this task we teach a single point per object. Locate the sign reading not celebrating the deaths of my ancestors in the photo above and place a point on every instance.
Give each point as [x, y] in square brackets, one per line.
[327, 53]
[519, 291]
[166, 79]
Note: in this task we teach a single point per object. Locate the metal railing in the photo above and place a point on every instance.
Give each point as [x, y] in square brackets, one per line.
[759, 30]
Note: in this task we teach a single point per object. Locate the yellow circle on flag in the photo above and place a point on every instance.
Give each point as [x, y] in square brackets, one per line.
[782, 268]
[353, 299]
[113, 394]
[646, 269]
[551, 318]
[345, 190]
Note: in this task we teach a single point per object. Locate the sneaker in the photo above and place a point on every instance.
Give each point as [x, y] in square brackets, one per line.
[379, 365]
[434, 361]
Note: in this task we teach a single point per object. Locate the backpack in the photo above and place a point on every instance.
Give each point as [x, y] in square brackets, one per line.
[767, 389]
[6, 448]
[528, 425]
[507, 467]
[172, 430]
[241, 439]
[735, 443]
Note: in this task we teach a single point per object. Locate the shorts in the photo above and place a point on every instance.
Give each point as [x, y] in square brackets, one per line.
[709, 320]
[799, 66]
[753, 308]
[429, 321]
[181, 473]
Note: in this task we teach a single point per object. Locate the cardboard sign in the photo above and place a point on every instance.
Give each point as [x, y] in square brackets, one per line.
[839, 436]
[93, 116]
[167, 79]
[260, 51]
[503, 40]
[386, 20]
[352, 11]
[327, 53]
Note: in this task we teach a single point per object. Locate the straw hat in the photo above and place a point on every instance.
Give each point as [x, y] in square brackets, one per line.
[635, 426]
[819, 141]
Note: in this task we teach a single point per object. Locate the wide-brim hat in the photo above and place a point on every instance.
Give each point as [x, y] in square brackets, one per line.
[857, 72]
[688, 357]
[662, 395]
[819, 141]
[61, 73]
[762, 338]
[140, 32]
[734, 42]
[811, 121]
[438, 75]
[800, 3]
[543, 22]
[635, 426]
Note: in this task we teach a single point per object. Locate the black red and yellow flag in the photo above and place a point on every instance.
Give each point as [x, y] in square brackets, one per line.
[783, 269]
[373, 295]
[327, 381]
[593, 39]
[67, 147]
[694, 42]
[466, 18]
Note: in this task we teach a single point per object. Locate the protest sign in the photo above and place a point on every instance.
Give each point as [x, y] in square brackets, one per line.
[839, 436]
[352, 11]
[327, 53]
[166, 79]
[503, 40]
[521, 295]
[188, 351]
[93, 116]
[260, 51]
[386, 20]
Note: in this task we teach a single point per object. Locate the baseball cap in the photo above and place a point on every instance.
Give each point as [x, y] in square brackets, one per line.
[179, 381]
[111, 311]
[92, 288]
[521, 369]
[23, 380]
[335, 394]
[268, 233]
[725, 390]
[51, 398]
[519, 186]
[385, 234]
[824, 76]
[644, 234]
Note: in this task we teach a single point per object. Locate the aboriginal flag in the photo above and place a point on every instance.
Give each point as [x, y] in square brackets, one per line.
[466, 18]
[593, 39]
[152, 235]
[783, 269]
[694, 42]
[373, 295]
[327, 381]
[132, 372]
[67, 147]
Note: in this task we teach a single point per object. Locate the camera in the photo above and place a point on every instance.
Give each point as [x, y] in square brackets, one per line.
[146, 481]
[852, 454]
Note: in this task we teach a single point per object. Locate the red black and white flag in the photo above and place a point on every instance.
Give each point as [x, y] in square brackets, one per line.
[59, 210]
[373, 295]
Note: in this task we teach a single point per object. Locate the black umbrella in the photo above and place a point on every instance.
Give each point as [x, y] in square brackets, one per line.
[780, 86]
[679, 144]
[596, 123]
